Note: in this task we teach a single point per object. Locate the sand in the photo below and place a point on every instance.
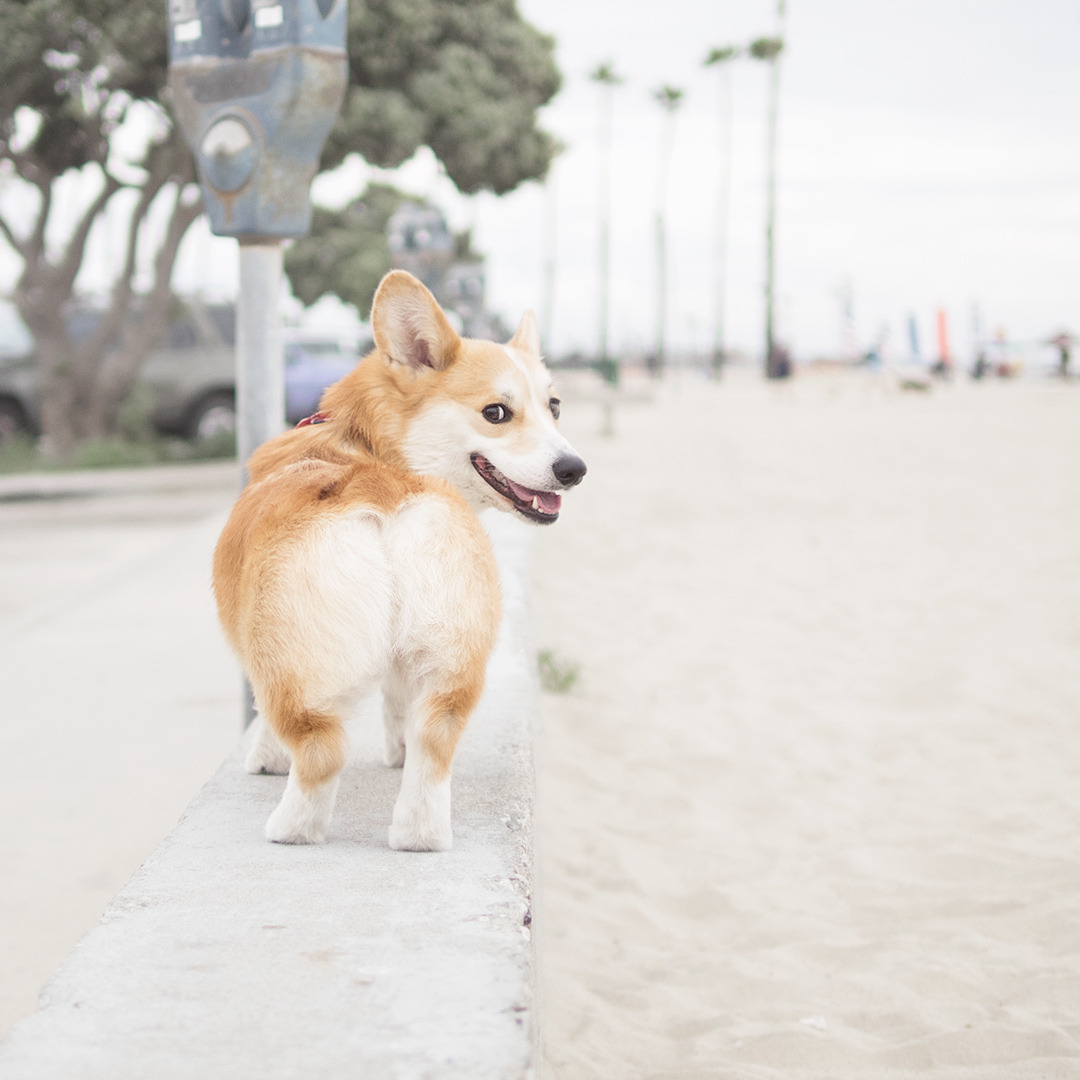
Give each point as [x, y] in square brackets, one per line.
[812, 808]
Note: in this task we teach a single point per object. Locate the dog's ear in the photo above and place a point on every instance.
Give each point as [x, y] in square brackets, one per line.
[527, 335]
[409, 326]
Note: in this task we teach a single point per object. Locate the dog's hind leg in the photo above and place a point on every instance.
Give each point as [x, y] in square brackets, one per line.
[266, 755]
[433, 727]
[316, 740]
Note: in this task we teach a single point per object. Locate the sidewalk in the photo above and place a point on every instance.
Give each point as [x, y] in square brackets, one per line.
[119, 695]
[225, 956]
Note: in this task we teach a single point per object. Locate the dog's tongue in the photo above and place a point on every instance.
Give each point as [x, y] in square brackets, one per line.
[549, 501]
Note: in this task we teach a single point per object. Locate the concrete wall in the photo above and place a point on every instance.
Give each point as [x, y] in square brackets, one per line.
[227, 956]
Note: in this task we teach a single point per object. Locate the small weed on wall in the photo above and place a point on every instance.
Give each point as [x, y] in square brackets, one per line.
[557, 676]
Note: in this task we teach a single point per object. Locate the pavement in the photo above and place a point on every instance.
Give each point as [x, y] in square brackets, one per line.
[225, 955]
[120, 697]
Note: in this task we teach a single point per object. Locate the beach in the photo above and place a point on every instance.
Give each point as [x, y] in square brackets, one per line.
[812, 807]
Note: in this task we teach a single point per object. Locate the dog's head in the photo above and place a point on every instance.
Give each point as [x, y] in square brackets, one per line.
[481, 415]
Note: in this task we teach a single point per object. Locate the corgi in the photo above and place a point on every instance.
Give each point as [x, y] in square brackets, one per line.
[354, 558]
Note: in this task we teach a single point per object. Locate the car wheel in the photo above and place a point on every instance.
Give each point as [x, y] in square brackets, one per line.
[213, 418]
[12, 422]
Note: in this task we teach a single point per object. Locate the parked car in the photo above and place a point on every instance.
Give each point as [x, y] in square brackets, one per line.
[189, 380]
[311, 365]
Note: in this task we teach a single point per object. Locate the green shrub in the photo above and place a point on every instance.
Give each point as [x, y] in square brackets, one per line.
[18, 454]
[115, 452]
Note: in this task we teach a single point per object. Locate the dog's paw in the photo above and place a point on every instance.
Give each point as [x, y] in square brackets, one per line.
[405, 838]
[421, 818]
[394, 753]
[286, 828]
[302, 817]
[274, 763]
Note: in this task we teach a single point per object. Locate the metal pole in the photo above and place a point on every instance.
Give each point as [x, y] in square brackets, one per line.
[260, 364]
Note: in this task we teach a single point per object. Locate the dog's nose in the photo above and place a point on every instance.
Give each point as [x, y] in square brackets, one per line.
[569, 469]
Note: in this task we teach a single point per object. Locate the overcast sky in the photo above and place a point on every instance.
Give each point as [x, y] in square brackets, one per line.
[929, 157]
[929, 154]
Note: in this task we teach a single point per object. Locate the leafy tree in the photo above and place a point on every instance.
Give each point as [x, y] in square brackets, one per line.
[72, 74]
[347, 252]
[465, 77]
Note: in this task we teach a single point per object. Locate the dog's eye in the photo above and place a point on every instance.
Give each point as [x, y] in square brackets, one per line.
[496, 414]
[554, 405]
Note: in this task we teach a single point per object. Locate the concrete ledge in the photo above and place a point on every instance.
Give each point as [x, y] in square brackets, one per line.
[227, 956]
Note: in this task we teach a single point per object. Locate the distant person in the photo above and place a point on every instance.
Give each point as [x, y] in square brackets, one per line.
[1063, 343]
[780, 363]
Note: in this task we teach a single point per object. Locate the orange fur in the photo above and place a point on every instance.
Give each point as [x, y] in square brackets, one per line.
[447, 714]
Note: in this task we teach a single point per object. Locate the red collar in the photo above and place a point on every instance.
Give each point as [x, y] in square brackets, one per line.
[315, 418]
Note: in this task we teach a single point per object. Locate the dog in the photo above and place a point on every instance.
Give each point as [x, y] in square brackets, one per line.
[354, 558]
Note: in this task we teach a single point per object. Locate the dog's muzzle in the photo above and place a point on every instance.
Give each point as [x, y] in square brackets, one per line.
[532, 503]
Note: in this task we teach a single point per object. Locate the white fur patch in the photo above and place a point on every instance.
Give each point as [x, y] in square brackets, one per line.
[266, 755]
[421, 814]
[302, 817]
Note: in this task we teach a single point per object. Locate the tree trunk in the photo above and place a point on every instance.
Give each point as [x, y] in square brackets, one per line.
[59, 398]
[81, 385]
[117, 371]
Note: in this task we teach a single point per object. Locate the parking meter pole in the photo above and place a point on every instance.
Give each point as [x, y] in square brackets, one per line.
[260, 370]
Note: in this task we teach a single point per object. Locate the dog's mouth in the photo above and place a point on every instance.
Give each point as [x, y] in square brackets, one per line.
[542, 506]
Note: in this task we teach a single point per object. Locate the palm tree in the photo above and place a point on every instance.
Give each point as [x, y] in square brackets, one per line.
[669, 98]
[607, 79]
[769, 49]
[721, 58]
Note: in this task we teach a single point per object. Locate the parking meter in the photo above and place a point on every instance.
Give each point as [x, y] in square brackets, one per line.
[256, 86]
